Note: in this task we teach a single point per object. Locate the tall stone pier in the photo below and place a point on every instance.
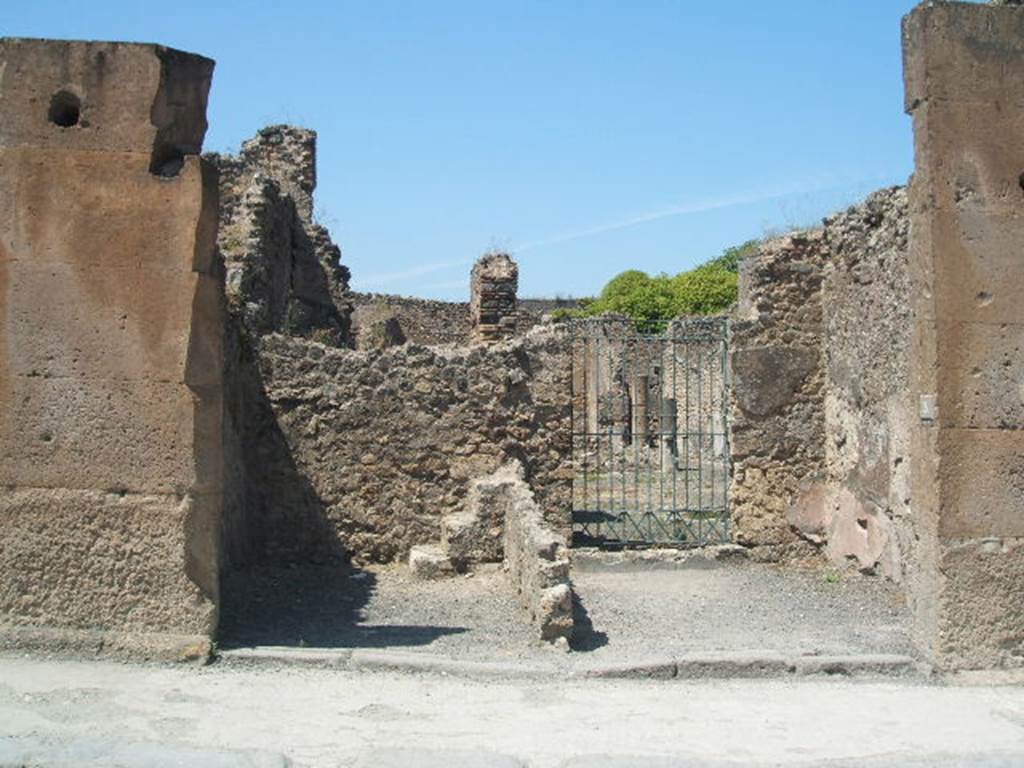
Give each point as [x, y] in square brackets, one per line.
[964, 67]
[110, 349]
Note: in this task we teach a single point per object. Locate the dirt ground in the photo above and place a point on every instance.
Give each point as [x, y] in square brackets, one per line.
[623, 614]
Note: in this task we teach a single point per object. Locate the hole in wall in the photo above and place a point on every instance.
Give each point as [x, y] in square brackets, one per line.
[166, 161]
[65, 109]
[1020, 181]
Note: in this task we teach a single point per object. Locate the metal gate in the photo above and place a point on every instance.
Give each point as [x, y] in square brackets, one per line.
[650, 444]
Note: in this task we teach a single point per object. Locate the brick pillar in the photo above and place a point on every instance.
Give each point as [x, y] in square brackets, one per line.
[964, 70]
[492, 303]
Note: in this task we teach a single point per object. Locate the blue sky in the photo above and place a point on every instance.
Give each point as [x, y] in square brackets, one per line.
[585, 137]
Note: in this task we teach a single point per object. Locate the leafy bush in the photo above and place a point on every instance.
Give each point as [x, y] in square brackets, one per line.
[707, 289]
[731, 257]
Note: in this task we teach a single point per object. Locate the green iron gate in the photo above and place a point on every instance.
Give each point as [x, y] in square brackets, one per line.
[650, 443]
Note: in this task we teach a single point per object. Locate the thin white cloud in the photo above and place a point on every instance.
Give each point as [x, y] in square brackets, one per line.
[382, 278]
[684, 209]
[681, 209]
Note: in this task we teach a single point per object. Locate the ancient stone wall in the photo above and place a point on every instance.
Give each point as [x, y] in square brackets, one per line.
[432, 322]
[283, 275]
[536, 556]
[777, 427]
[864, 514]
[819, 438]
[532, 312]
[382, 444]
[283, 271]
[111, 323]
[422, 321]
[360, 453]
[964, 67]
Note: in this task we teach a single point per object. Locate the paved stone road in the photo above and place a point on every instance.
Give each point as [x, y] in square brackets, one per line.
[91, 714]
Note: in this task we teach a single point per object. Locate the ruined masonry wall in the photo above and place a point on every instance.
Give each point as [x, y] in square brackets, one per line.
[865, 514]
[492, 298]
[536, 557]
[283, 272]
[282, 275]
[777, 426]
[358, 453]
[422, 321]
[380, 445]
[432, 322]
[820, 404]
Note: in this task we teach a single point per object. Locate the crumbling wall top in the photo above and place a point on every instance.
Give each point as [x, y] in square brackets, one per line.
[286, 153]
[120, 97]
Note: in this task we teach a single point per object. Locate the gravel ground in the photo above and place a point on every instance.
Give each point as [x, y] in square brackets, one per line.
[740, 607]
[623, 615]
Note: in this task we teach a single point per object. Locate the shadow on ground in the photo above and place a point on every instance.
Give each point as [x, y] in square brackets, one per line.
[321, 606]
[289, 582]
[584, 636]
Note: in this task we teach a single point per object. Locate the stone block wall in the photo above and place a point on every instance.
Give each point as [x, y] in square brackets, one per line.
[964, 70]
[111, 324]
[777, 429]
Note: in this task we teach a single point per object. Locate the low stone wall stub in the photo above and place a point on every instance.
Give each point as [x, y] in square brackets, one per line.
[536, 557]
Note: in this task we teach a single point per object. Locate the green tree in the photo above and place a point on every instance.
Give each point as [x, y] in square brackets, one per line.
[708, 289]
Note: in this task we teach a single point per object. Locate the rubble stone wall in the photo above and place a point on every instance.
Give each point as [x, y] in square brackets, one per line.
[111, 323]
[777, 429]
[865, 513]
[536, 556]
[283, 275]
[820, 377]
[422, 321]
[432, 322]
[283, 271]
[382, 444]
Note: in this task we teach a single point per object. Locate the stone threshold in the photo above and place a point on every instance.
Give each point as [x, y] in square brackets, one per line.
[693, 666]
